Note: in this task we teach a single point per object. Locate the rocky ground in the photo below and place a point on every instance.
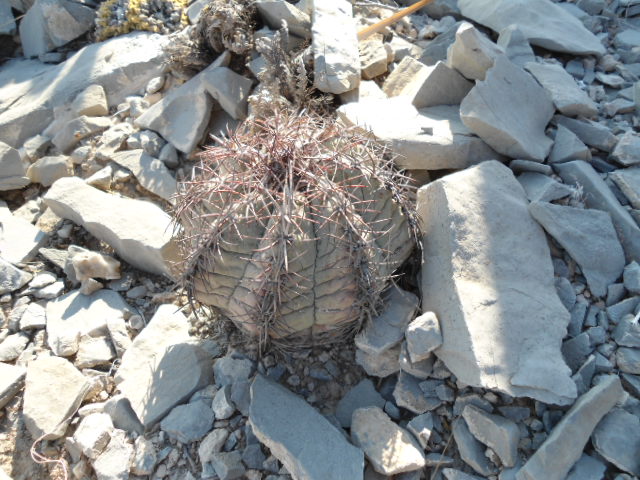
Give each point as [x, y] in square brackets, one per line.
[512, 352]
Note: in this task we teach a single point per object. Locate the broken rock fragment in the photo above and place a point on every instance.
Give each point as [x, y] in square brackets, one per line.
[472, 53]
[482, 283]
[509, 110]
[152, 174]
[12, 170]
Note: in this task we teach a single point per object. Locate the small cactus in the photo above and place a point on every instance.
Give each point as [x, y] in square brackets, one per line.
[292, 228]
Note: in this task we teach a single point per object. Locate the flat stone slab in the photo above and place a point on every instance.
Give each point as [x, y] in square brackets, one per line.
[19, 240]
[389, 448]
[628, 180]
[627, 150]
[162, 369]
[53, 390]
[509, 110]
[617, 438]
[73, 315]
[490, 291]
[599, 196]
[431, 138]
[138, 230]
[307, 444]
[11, 380]
[589, 237]
[12, 278]
[563, 447]
[152, 173]
[543, 23]
[498, 433]
[364, 394]
[12, 170]
[472, 53]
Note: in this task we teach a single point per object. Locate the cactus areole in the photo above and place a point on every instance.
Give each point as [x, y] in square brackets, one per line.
[292, 228]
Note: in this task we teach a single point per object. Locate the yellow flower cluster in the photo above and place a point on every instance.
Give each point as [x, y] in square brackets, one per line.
[108, 25]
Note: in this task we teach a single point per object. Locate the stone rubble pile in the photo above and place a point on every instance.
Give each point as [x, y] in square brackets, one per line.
[517, 357]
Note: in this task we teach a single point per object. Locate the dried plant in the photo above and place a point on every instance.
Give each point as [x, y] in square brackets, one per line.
[292, 227]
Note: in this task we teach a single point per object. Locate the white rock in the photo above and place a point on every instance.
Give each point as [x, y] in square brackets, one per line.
[366, 89]
[82, 264]
[119, 335]
[274, 12]
[472, 53]
[12, 170]
[423, 336]
[335, 47]
[34, 317]
[13, 346]
[29, 90]
[73, 315]
[498, 433]
[139, 231]
[509, 110]
[12, 278]
[144, 460]
[47, 170]
[229, 89]
[19, 240]
[373, 58]
[53, 391]
[479, 280]
[389, 448]
[52, 23]
[92, 102]
[50, 291]
[93, 434]
[94, 351]
[78, 128]
[430, 139]
[11, 380]
[543, 23]
[563, 447]
[150, 172]
[567, 96]
[115, 461]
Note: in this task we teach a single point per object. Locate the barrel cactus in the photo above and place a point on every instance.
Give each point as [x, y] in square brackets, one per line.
[292, 228]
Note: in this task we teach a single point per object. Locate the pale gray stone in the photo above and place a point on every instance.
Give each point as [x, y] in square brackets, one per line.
[617, 439]
[421, 369]
[590, 132]
[73, 315]
[222, 406]
[12, 278]
[587, 468]
[408, 394]
[627, 332]
[471, 450]
[628, 360]
[498, 433]
[94, 351]
[93, 434]
[509, 110]
[453, 474]
[567, 96]
[627, 150]
[555, 30]
[161, 369]
[77, 129]
[11, 381]
[567, 146]
[563, 447]
[188, 423]
[433, 138]
[628, 180]
[516, 46]
[54, 389]
[422, 426]
[232, 369]
[472, 53]
[598, 195]
[12, 346]
[373, 58]
[19, 240]
[139, 231]
[381, 365]
[115, 461]
[228, 465]
[387, 329]
[276, 416]
[152, 174]
[491, 285]
[273, 12]
[389, 448]
[47, 170]
[335, 47]
[442, 85]
[423, 336]
[589, 237]
[542, 188]
[12, 170]
[230, 89]
[576, 350]
[122, 415]
[7, 22]
[361, 395]
[211, 444]
[144, 458]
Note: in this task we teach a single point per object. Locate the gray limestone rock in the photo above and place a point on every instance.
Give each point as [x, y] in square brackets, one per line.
[589, 237]
[12, 346]
[421, 369]
[390, 449]
[592, 133]
[576, 350]
[453, 474]
[188, 423]
[617, 439]
[73, 315]
[542, 188]
[382, 365]
[11, 380]
[230, 89]
[361, 395]
[92, 101]
[228, 465]
[161, 369]
[276, 416]
[563, 447]
[387, 329]
[628, 180]
[472, 53]
[12, 170]
[274, 12]
[422, 426]
[19, 240]
[587, 468]
[510, 119]
[423, 336]
[408, 394]
[515, 44]
[474, 287]
[232, 369]
[442, 85]
[222, 406]
[498, 433]
[555, 29]
[627, 332]
[78, 128]
[94, 351]
[122, 415]
[138, 230]
[53, 390]
[93, 434]
[567, 146]
[152, 174]
[145, 458]
[628, 360]
[12, 278]
[598, 195]
[471, 450]
[627, 150]
[115, 461]
[47, 170]
[567, 96]
[335, 47]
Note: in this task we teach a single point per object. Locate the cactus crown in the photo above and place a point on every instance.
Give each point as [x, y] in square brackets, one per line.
[292, 228]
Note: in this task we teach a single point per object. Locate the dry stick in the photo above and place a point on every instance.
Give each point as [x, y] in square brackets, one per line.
[376, 27]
